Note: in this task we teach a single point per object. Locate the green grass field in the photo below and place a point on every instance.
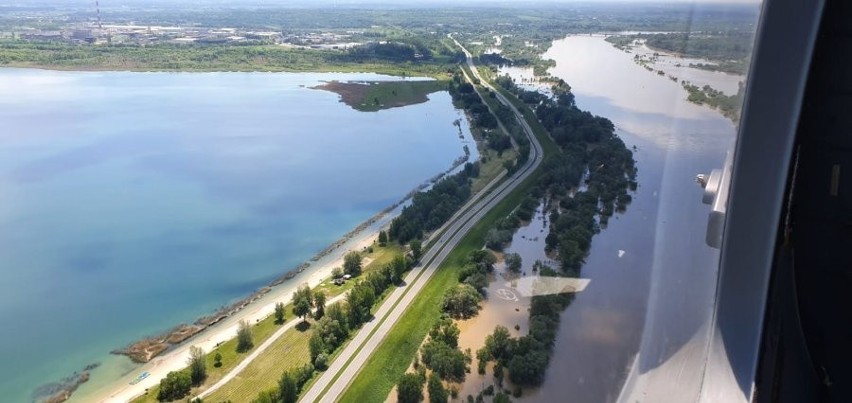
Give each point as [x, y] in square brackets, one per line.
[289, 351]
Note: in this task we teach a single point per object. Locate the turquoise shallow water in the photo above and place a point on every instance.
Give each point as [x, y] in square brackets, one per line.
[130, 202]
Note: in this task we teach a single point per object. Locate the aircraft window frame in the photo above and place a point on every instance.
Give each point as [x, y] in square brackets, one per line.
[776, 81]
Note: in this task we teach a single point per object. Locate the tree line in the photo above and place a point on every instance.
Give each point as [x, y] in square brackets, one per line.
[335, 322]
[730, 51]
[729, 105]
[443, 359]
[735, 45]
[431, 209]
[584, 184]
[440, 355]
[465, 96]
[219, 57]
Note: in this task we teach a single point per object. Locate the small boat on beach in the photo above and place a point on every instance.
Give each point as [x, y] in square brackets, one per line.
[140, 377]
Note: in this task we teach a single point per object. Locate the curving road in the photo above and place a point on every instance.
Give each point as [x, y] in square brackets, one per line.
[332, 383]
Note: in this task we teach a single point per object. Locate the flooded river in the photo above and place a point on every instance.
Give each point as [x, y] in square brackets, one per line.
[652, 276]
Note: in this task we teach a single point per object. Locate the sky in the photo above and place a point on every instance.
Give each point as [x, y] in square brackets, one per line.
[304, 3]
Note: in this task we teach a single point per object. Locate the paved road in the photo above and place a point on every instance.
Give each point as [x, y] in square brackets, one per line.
[386, 306]
[332, 383]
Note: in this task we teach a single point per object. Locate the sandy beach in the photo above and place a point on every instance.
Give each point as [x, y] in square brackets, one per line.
[175, 359]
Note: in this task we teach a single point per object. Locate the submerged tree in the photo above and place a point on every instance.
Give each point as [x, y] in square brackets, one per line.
[462, 301]
[409, 389]
[437, 392]
[514, 262]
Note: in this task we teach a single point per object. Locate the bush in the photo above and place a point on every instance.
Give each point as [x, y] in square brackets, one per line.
[409, 389]
[462, 301]
[303, 374]
[447, 362]
[437, 392]
[513, 262]
[321, 363]
[288, 390]
[244, 337]
[174, 386]
[352, 263]
[197, 365]
[279, 313]
[498, 373]
[502, 398]
[267, 396]
[497, 239]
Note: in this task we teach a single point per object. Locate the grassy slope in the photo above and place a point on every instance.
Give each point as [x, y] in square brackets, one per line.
[256, 376]
[289, 351]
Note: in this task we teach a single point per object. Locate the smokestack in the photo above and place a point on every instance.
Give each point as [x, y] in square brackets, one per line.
[98, 9]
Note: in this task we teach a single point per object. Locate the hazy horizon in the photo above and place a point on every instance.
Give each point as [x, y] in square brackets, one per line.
[419, 4]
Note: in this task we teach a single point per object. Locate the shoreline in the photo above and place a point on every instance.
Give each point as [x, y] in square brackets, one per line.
[146, 349]
[223, 330]
[222, 325]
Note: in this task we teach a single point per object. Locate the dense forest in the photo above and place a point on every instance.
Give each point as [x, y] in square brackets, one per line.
[726, 46]
[729, 51]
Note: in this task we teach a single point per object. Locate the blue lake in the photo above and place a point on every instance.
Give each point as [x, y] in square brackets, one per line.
[130, 202]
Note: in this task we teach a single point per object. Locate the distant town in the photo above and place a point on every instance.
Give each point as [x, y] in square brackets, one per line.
[132, 34]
